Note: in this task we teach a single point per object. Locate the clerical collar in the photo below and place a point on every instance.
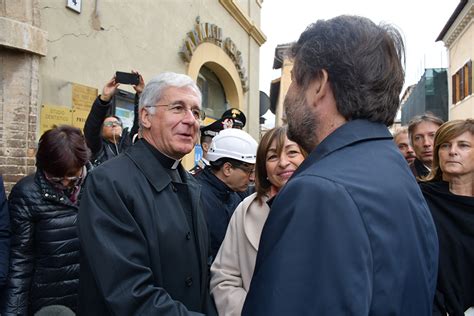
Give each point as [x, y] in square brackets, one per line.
[165, 161]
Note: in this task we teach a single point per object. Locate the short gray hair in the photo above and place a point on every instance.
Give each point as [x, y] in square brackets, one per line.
[399, 131]
[155, 87]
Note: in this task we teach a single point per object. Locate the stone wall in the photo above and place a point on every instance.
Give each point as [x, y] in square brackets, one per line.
[22, 44]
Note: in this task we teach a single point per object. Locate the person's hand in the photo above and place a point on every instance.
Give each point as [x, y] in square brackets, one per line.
[141, 85]
[109, 90]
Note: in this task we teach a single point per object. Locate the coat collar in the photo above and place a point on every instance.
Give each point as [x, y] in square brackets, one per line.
[254, 217]
[48, 192]
[151, 167]
[219, 187]
[165, 161]
[346, 135]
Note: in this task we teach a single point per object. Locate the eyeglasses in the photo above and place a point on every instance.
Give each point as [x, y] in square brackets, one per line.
[180, 109]
[248, 169]
[112, 123]
[72, 181]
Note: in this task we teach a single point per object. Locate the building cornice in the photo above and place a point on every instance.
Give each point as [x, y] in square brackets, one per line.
[245, 22]
[22, 36]
[459, 25]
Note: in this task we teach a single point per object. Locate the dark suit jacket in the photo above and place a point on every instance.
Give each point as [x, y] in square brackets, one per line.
[139, 255]
[350, 234]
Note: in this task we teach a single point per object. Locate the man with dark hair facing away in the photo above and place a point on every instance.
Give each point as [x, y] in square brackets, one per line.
[350, 233]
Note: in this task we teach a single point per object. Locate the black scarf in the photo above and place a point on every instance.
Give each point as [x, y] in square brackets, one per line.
[454, 219]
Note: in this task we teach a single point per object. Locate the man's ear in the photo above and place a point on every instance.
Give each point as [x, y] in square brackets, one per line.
[205, 147]
[318, 88]
[145, 118]
[227, 169]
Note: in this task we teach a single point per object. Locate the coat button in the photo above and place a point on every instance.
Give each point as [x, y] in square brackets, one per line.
[189, 281]
[174, 188]
[188, 235]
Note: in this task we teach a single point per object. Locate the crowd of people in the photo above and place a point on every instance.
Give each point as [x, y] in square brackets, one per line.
[327, 215]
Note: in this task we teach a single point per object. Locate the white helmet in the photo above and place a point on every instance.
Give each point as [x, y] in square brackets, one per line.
[233, 143]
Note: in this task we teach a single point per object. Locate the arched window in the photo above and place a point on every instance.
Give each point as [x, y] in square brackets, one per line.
[214, 101]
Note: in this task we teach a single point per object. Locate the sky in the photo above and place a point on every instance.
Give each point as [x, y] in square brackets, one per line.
[419, 21]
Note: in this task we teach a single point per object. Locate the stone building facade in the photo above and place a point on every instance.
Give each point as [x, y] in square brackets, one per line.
[56, 55]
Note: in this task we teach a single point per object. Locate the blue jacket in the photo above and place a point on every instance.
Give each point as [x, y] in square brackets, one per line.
[4, 235]
[350, 234]
[219, 203]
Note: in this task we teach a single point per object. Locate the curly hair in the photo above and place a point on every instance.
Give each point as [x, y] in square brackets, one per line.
[364, 62]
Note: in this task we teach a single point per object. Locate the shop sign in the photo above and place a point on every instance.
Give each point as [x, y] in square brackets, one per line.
[79, 118]
[54, 115]
[83, 97]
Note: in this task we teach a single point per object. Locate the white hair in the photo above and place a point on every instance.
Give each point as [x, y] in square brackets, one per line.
[155, 87]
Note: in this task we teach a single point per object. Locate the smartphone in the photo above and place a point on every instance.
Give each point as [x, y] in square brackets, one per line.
[127, 78]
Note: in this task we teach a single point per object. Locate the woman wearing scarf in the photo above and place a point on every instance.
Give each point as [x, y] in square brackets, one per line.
[231, 273]
[44, 260]
[449, 192]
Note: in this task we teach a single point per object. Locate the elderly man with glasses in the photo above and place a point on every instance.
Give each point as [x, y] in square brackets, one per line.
[104, 131]
[143, 233]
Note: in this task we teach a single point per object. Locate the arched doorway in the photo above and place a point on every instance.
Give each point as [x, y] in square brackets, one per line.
[215, 59]
[211, 62]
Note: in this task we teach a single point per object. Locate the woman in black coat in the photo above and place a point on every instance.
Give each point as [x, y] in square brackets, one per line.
[449, 192]
[44, 261]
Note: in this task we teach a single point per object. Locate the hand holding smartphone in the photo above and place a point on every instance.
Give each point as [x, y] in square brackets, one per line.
[127, 78]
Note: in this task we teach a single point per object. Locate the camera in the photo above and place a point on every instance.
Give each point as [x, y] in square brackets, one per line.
[127, 78]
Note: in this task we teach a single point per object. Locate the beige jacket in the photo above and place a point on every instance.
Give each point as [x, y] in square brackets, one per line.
[233, 268]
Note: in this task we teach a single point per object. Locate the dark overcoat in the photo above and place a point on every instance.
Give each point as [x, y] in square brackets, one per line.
[139, 255]
[349, 234]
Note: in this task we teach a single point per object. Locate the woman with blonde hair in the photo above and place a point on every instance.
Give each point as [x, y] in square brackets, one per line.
[449, 192]
[231, 273]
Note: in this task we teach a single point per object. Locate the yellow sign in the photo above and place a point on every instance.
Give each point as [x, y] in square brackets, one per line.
[79, 118]
[54, 115]
[83, 97]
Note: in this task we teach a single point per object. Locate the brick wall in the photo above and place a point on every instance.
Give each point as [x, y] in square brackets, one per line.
[21, 46]
[18, 109]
